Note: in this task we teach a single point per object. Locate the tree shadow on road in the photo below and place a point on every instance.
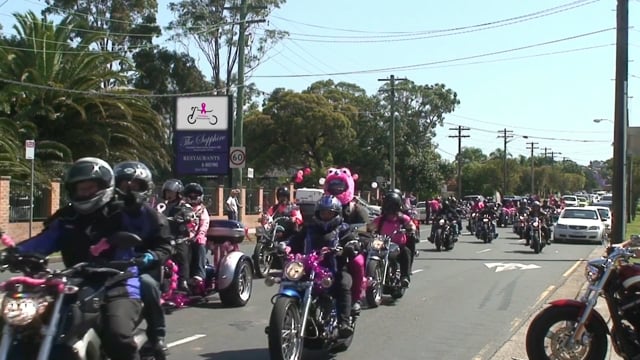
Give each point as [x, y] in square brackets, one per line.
[260, 354]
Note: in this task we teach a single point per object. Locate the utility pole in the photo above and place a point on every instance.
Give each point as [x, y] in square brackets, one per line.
[459, 129]
[621, 123]
[506, 134]
[553, 155]
[546, 151]
[242, 44]
[392, 108]
[532, 146]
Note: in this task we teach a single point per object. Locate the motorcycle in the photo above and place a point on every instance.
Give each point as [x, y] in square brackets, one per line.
[383, 270]
[304, 313]
[473, 223]
[230, 275]
[520, 226]
[485, 230]
[265, 254]
[536, 240]
[573, 328]
[443, 237]
[50, 314]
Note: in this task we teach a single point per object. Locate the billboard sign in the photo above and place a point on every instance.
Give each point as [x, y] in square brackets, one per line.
[202, 135]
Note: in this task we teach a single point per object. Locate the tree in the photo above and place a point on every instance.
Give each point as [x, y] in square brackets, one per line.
[57, 98]
[214, 26]
[125, 25]
[296, 129]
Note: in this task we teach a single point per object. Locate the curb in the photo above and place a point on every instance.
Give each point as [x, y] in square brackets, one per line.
[571, 286]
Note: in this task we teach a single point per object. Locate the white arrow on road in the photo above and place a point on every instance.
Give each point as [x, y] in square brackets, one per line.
[511, 266]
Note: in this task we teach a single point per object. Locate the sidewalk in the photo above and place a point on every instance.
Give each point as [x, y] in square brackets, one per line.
[572, 287]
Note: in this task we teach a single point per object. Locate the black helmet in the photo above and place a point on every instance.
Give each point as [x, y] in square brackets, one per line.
[174, 185]
[392, 203]
[282, 191]
[194, 193]
[90, 168]
[135, 171]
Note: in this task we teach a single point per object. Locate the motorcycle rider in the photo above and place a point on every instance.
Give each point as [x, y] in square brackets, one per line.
[448, 213]
[491, 212]
[172, 196]
[134, 186]
[543, 218]
[284, 208]
[93, 214]
[387, 223]
[193, 194]
[329, 230]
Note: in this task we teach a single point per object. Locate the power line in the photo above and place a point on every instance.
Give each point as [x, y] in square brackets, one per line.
[459, 136]
[437, 30]
[417, 66]
[522, 127]
[535, 137]
[314, 38]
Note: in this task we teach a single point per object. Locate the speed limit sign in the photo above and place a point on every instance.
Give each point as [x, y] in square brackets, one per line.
[237, 157]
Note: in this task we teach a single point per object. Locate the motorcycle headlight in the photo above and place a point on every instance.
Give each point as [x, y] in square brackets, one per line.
[535, 224]
[19, 311]
[592, 273]
[377, 244]
[441, 222]
[293, 270]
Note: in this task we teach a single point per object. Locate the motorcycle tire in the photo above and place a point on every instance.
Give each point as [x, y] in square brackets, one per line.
[438, 240]
[239, 292]
[284, 307]
[540, 326]
[262, 260]
[373, 293]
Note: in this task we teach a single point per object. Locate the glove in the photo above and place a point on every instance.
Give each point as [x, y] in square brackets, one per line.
[6, 240]
[146, 259]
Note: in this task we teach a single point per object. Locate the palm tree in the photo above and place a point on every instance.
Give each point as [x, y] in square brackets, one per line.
[64, 95]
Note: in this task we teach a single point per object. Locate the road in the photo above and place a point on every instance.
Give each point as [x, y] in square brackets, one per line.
[462, 304]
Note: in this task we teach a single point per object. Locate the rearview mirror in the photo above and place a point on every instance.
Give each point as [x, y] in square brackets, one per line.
[124, 239]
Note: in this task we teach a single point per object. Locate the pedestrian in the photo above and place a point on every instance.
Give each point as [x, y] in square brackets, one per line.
[233, 205]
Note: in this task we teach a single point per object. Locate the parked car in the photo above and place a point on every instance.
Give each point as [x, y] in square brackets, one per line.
[570, 200]
[581, 224]
[605, 200]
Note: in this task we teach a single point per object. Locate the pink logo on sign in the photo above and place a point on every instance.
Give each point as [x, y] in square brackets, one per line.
[203, 108]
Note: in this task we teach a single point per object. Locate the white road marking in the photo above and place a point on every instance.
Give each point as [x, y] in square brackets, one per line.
[185, 340]
[481, 251]
[511, 266]
[572, 268]
[417, 271]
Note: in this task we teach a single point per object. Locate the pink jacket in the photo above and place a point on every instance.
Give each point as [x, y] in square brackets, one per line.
[203, 224]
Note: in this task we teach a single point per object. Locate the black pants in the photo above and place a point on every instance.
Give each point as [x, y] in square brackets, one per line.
[404, 259]
[411, 245]
[182, 257]
[343, 297]
[119, 321]
[152, 311]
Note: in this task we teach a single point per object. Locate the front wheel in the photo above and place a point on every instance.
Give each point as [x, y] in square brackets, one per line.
[285, 340]
[262, 259]
[374, 288]
[549, 330]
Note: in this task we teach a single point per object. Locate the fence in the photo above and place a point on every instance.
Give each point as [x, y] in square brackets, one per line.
[20, 203]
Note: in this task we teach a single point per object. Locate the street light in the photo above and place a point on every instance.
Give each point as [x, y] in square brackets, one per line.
[601, 120]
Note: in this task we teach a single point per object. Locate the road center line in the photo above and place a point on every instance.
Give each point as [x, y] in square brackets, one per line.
[572, 268]
[185, 340]
[481, 251]
[417, 271]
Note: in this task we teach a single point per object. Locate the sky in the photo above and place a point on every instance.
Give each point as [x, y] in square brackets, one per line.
[545, 75]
